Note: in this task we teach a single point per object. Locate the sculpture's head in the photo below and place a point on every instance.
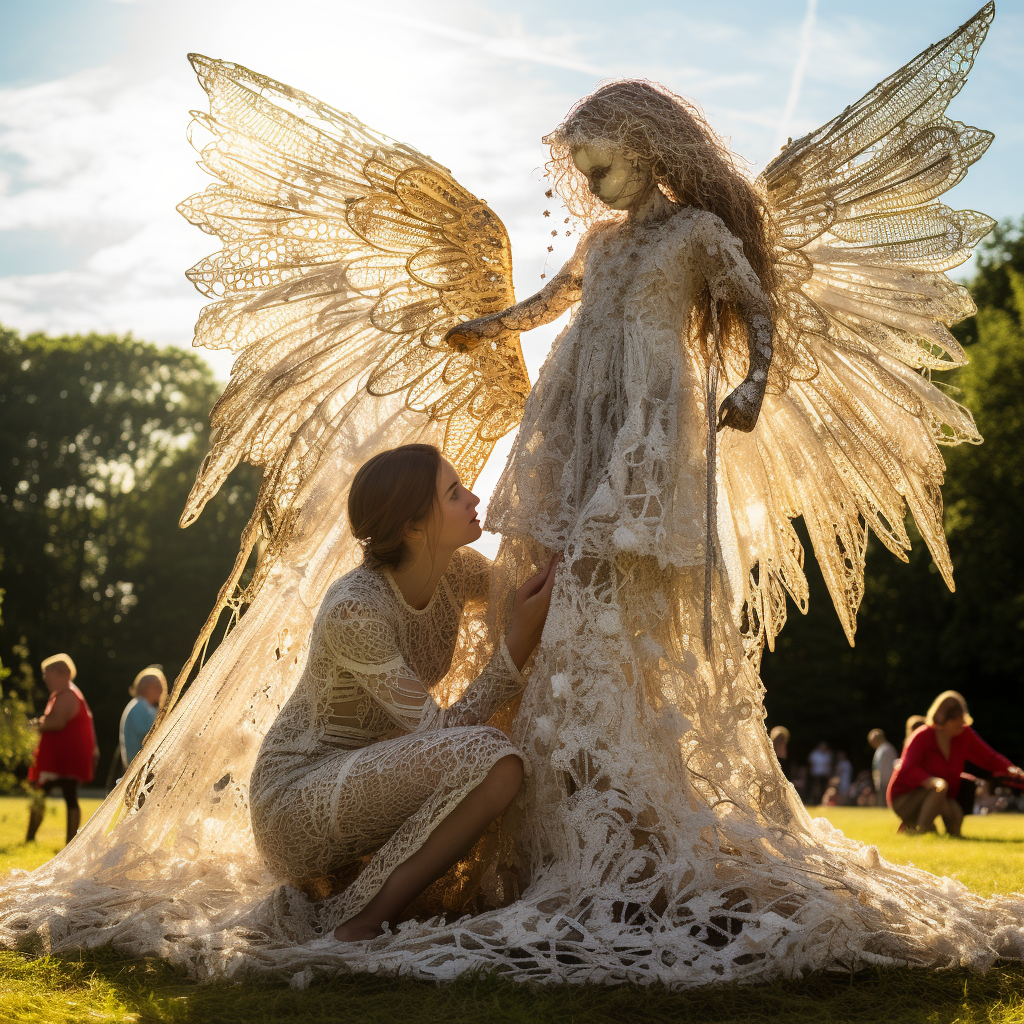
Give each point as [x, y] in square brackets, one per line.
[632, 136]
[618, 141]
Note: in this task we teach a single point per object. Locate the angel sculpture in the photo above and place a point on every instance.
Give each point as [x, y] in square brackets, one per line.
[740, 353]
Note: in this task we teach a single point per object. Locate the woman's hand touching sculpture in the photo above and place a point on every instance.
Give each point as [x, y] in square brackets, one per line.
[532, 601]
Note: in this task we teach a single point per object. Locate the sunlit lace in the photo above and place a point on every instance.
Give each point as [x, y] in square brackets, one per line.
[655, 838]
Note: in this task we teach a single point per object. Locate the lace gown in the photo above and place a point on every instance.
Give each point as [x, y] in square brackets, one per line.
[358, 764]
[656, 829]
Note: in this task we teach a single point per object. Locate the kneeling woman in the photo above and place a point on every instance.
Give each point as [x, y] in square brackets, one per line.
[362, 760]
[925, 783]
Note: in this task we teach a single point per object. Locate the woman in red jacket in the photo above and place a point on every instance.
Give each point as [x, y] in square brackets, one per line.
[67, 750]
[927, 779]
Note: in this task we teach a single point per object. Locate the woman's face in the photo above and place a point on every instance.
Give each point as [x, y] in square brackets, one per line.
[56, 676]
[954, 724]
[455, 521]
[613, 177]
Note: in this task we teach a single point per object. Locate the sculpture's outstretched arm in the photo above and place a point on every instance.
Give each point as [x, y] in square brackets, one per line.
[719, 256]
[564, 289]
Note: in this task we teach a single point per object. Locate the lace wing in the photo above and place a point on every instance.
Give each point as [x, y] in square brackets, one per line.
[336, 242]
[345, 258]
[852, 441]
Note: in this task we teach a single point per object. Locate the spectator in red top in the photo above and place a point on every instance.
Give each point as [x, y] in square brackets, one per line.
[67, 750]
[927, 778]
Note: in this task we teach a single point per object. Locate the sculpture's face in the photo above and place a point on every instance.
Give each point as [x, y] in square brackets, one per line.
[614, 178]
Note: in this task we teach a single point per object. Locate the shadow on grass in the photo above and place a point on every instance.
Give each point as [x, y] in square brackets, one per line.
[56, 990]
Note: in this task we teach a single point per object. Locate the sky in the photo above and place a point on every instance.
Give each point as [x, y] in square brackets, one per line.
[95, 98]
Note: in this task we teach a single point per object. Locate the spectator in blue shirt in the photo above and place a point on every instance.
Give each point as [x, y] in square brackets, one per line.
[148, 692]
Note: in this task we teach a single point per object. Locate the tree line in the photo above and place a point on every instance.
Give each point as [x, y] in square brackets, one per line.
[914, 638]
[101, 437]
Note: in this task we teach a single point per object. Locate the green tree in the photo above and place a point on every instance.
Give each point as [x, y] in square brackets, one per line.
[999, 257]
[17, 738]
[914, 638]
[100, 438]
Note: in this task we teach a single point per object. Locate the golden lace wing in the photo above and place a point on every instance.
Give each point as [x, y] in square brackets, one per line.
[852, 440]
[345, 258]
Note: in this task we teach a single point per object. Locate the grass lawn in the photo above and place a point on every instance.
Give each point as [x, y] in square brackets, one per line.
[103, 987]
[14, 851]
[992, 863]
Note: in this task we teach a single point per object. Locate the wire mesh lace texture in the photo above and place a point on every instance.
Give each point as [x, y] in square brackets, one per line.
[655, 837]
[357, 763]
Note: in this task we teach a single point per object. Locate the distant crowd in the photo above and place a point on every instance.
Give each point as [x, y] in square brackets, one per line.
[944, 770]
[67, 754]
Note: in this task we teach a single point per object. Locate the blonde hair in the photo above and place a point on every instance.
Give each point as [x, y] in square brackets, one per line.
[779, 730]
[60, 659]
[692, 167]
[156, 672]
[914, 722]
[940, 711]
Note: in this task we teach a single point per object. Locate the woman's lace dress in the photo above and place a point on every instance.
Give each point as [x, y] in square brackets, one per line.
[358, 764]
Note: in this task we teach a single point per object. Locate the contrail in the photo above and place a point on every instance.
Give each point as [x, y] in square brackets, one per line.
[797, 81]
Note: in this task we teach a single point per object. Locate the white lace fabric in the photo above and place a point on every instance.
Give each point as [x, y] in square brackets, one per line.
[363, 760]
[655, 838]
[611, 447]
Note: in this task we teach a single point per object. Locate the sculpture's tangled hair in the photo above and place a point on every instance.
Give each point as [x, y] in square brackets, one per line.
[690, 163]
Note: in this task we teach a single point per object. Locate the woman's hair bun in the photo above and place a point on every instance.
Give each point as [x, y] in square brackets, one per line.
[389, 491]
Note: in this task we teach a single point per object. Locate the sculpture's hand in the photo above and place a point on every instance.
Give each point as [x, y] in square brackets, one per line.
[466, 337]
[741, 408]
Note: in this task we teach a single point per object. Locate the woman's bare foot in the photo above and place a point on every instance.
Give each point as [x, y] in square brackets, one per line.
[356, 931]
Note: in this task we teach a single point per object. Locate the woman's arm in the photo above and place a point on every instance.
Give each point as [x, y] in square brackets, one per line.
[65, 707]
[978, 752]
[360, 640]
[502, 679]
[730, 278]
[363, 643]
[548, 304]
[911, 772]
